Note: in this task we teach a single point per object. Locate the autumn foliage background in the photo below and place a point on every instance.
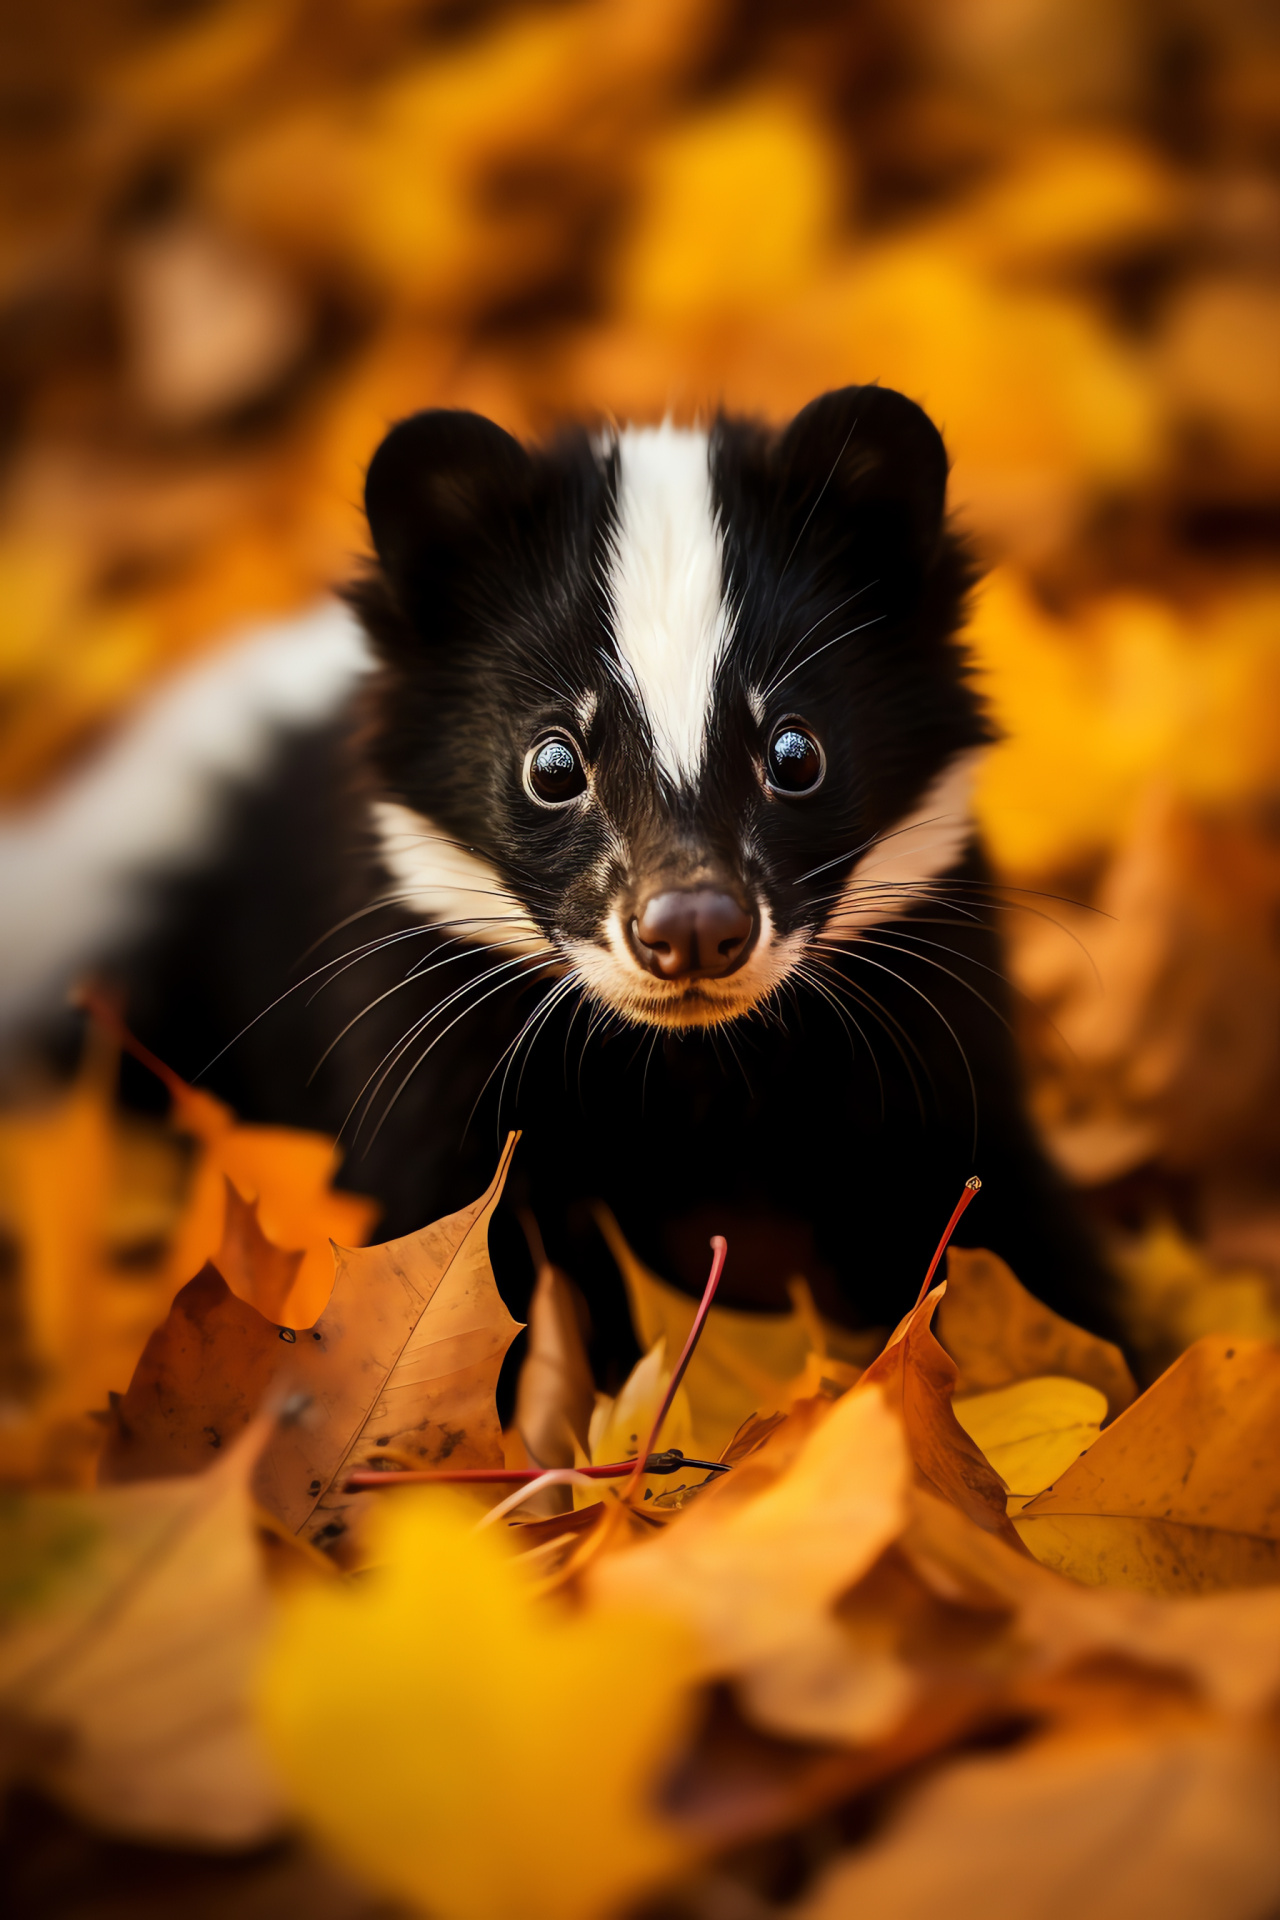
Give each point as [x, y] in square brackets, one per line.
[237, 239]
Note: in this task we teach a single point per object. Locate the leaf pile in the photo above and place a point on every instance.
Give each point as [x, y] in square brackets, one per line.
[237, 239]
[975, 1623]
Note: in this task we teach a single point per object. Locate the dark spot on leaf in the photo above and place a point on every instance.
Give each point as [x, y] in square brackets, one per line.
[331, 1532]
[449, 1439]
[385, 1441]
[1231, 1353]
[315, 1335]
[215, 1438]
[287, 1333]
[315, 1486]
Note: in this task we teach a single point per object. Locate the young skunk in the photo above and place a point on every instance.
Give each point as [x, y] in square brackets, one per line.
[649, 834]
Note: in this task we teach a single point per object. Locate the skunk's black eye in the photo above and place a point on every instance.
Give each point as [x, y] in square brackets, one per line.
[796, 761]
[554, 772]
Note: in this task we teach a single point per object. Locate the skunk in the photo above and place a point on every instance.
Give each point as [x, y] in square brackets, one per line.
[647, 832]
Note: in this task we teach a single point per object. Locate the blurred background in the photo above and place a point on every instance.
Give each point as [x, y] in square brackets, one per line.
[239, 237]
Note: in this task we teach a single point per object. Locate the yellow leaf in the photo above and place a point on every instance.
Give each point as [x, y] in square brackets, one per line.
[1173, 1294]
[997, 1333]
[1182, 1493]
[744, 1363]
[1071, 197]
[621, 1426]
[1033, 1430]
[739, 205]
[468, 1748]
[80, 1190]
[131, 1620]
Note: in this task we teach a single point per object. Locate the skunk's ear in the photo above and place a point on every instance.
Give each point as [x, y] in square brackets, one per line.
[435, 488]
[867, 451]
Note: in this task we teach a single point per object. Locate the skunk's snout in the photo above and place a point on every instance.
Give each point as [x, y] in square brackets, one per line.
[692, 930]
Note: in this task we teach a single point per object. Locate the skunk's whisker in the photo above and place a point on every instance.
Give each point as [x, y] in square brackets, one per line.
[397, 1051]
[437, 1038]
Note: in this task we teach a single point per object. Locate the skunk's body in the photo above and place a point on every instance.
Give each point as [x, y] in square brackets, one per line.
[662, 783]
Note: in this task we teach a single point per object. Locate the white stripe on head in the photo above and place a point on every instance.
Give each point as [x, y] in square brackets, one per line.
[444, 881]
[665, 580]
[925, 843]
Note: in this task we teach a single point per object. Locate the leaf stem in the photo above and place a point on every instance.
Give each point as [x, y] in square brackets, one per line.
[972, 1188]
[672, 1461]
[719, 1253]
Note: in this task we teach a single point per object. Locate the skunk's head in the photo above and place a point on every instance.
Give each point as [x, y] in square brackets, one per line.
[665, 711]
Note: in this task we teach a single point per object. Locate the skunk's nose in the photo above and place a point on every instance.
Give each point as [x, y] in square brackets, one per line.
[692, 931]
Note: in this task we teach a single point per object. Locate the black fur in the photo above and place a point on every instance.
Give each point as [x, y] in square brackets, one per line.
[830, 1131]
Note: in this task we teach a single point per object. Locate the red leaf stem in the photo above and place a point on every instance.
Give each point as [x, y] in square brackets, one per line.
[972, 1187]
[719, 1253]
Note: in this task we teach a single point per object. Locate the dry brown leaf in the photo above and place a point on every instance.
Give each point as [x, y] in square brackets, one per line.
[254, 1267]
[756, 1565]
[400, 1370]
[750, 1436]
[997, 1332]
[1176, 1820]
[1182, 1493]
[133, 1622]
[918, 1380]
[1227, 1645]
[555, 1396]
[289, 1173]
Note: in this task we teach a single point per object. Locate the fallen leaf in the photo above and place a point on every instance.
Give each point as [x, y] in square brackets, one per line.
[1173, 1294]
[285, 1171]
[131, 1623]
[555, 1395]
[1226, 1644]
[288, 1173]
[621, 1425]
[1033, 1430]
[1176, 1820]
[472, 1750]
[918, 1380]
[400, 1370]
[1182, 1493]
[744, 1363]
[755, 1565]
[81, 1190]
[254, 1267]
[998, 1333]
[750, 1436]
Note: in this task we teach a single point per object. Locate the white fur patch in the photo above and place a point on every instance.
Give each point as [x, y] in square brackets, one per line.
[447, 882]
[926, 843]
[665, 581]
[73, 865]
[614, 977]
